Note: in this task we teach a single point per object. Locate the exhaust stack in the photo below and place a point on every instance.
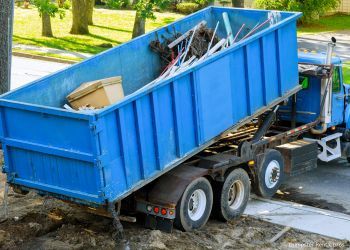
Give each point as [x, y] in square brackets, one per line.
[326, 113]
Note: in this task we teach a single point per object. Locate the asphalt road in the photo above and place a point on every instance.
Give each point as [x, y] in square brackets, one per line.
[25, 70]
[327, 187]
[320, 45]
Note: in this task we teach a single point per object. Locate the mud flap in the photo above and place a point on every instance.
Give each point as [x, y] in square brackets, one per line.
[154, 222]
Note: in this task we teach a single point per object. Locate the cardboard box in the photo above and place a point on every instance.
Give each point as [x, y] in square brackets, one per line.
[97, 94]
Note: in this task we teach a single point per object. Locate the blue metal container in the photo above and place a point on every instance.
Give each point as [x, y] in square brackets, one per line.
[104, 156]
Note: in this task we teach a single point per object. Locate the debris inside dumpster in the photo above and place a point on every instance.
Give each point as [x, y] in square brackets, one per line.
[181, 51]
[96, 94]
[172, 47]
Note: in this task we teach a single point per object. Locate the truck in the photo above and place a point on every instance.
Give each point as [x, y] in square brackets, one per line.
[188, 146]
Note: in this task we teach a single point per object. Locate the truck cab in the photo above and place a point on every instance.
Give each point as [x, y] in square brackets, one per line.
[332, 134]
[308, 100]
[308, 103]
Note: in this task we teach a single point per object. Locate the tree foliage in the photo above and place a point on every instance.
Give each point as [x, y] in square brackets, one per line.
[144, 8]
[187, 8]
[311, 9]
[48, 7]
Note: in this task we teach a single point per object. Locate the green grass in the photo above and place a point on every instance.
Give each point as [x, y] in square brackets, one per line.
[336, 22]
[346, 72]
[110, 26]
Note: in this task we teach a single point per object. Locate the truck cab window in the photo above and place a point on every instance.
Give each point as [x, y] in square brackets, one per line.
[336, 80]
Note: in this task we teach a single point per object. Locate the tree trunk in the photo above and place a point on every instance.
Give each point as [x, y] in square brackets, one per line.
[139, 26]
[90, 12]
[80, 20]
[46, 25]
[60, 3]
[238, 3]
[6, 20]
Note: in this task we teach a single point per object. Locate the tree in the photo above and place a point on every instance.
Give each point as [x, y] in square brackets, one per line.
[90, 12]
[238, 3]
[6, 20]
[311, 9]
[80, 17]
[144, 10]
[47, 9]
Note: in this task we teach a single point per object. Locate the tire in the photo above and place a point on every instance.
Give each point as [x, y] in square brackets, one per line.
[269, 174]
[348, 159]
[232, 199]
[194, 208]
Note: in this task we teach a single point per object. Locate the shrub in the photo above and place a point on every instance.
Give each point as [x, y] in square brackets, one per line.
[66, 5]
[187, 8]
[311, 9]
[117, 4]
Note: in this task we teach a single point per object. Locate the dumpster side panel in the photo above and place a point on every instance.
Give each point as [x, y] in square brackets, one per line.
[270, 61]
[143, 137]
[213, 88]
[174, 120]
[288, 56]
[51, 153]
[45, 129]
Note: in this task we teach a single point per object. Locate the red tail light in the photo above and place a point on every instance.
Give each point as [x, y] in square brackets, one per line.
[163, 211]
[156, 210]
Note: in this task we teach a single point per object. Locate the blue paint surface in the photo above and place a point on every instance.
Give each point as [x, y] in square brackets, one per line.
[102, 156]
[309, 100]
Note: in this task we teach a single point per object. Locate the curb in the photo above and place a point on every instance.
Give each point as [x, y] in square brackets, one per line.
[44, 58]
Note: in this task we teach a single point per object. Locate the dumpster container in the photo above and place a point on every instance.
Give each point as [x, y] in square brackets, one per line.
[104, 155]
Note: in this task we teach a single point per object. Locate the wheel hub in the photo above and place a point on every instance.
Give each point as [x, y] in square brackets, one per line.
[272, 174]
[235, 195]
[197, 204]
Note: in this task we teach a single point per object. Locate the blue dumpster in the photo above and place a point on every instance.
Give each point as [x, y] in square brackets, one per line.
[103, 156]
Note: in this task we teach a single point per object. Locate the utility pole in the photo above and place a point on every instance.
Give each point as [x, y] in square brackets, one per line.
[6, 29]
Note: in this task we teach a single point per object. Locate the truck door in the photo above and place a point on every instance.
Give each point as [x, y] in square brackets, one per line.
[338, 97]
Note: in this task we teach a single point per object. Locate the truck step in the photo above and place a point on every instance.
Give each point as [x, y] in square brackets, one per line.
[299, 156]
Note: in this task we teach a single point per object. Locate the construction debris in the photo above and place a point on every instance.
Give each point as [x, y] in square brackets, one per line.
[279, 235]
[96, 94]
[172, 47]
[182, 51]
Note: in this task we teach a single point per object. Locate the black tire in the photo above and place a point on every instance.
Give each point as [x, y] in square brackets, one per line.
[227, 208]
[183, 219]
[267, 189]
[348, 158]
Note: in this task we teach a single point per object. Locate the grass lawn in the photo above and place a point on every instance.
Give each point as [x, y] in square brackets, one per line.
[110, 26]
[330, 23]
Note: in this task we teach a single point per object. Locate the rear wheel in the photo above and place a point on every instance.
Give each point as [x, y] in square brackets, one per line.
[270, 174]
[233, 198]
[194, 208]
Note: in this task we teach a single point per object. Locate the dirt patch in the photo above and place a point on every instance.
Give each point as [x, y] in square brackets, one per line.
[55, 225]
